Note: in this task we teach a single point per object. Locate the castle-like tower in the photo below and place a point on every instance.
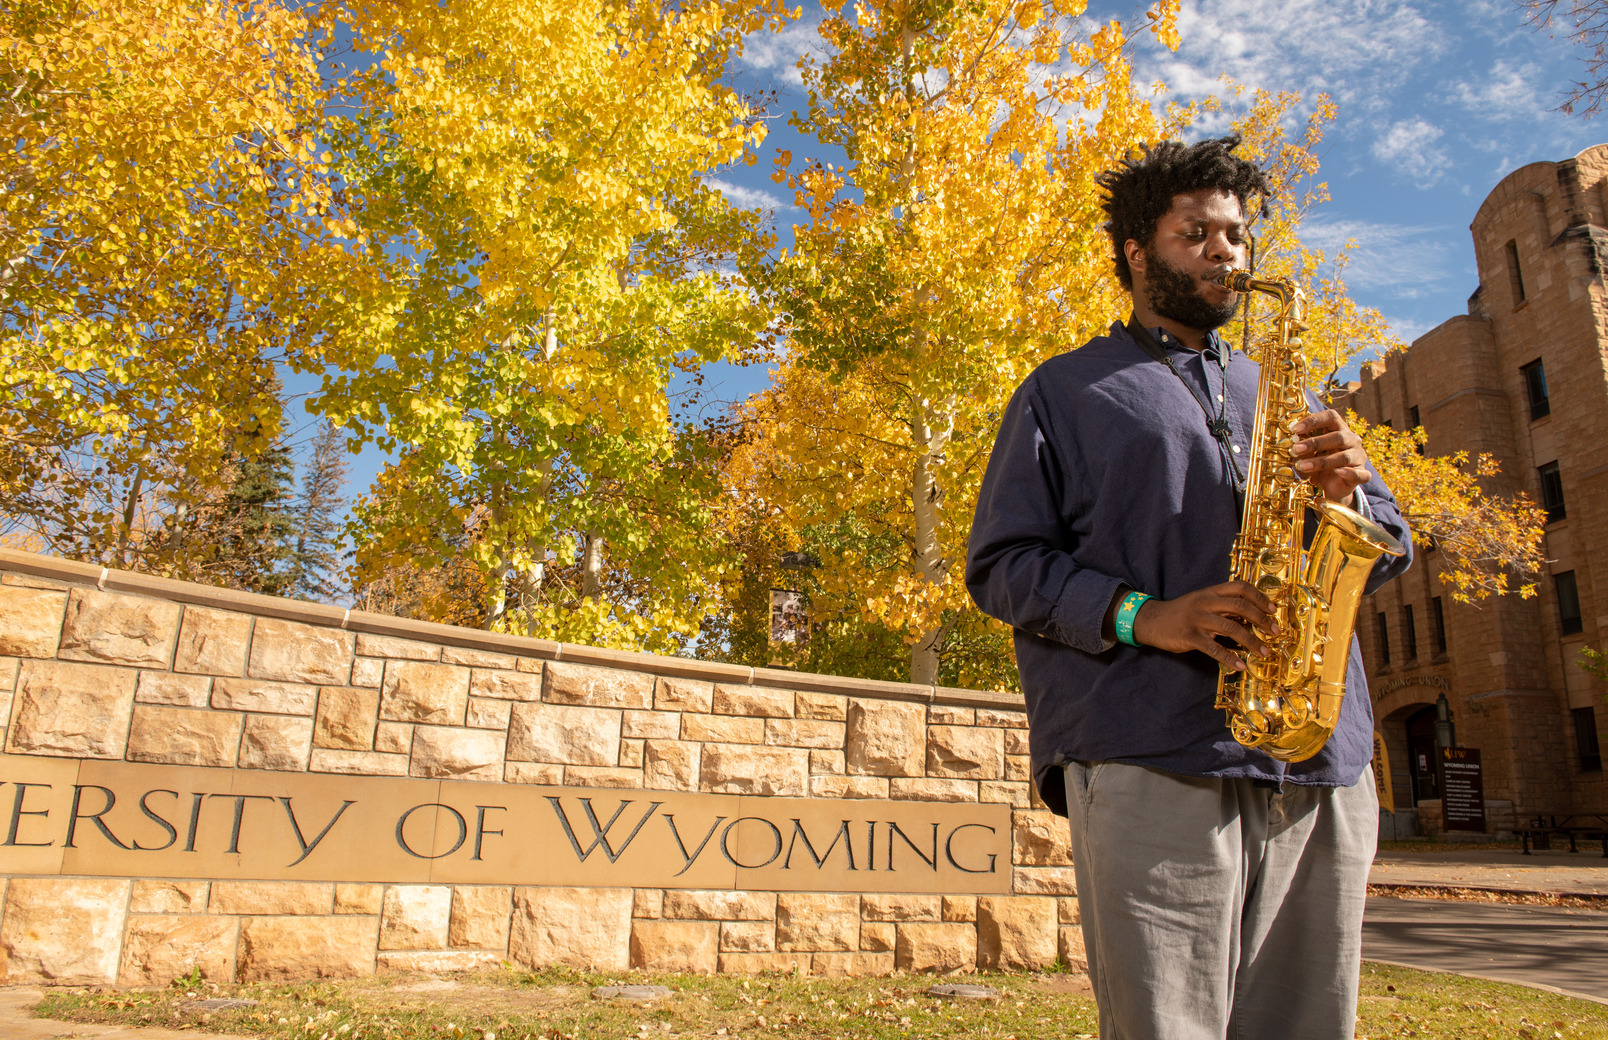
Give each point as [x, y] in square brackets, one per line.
[1523, 377]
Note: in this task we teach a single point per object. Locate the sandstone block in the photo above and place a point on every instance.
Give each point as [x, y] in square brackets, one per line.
[827, 763]
[1040, 839]
[292, 652]
[748, 936]
[32, 581]
[1013, 794]
[932, 790]
[877, 936]
[346, 717]
[212, 642]
[752, 701]
[941, 948]
[438, 961]
[886, 738]
[1001, 719]
[1016, 742]
[271, 897]
[279, 742]
[686, 946]
[1016, 932]
[965, 752]
[449, 753]
[647, 904]
[368, 671]
[693, 904]
[160, 947]
[746, 769]
[568, 735]
[899, 906]
[30, 621]
[77, 710]
[806, 733]
[272, 697]
[544, 773]
[358, 899]
[754, 963]
[357, 763]
[722, 729]
[651, 725]
[66, 931]
[394, 738]
[670, 765]
[631, 752]
[602, 776]
[1044, 881]
[683, 695]
[960, 908]
[826, 707]
[1070, 949]
[478, 658]
[505, 685]
[182, 691]
[949, 715]
[184, 736]
[578, 927]
[566, 683]
[168, 897]
[856, 965]
[414, 917]
[415, 691]
[817, 921]
[118, 629]
[370, 645]
[282, 949]
[1018, 767]
[1070, 912]
[484, 713]
[848, 787]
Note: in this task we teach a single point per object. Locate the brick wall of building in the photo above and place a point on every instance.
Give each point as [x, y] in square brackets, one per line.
[1509, 666]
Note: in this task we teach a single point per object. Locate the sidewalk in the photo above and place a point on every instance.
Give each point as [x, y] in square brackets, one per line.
[1583, 873]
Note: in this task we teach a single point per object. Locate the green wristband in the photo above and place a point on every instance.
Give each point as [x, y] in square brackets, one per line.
[1127, 610]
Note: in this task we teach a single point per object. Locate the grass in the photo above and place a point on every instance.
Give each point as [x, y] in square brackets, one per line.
[556, 1005]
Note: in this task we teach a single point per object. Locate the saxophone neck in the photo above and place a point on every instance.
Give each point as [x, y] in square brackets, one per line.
[1243, 281]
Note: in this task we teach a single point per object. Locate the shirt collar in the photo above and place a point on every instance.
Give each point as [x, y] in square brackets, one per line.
[1216, 349]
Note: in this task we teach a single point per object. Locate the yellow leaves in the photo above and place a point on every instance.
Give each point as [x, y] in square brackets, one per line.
[1028, 13]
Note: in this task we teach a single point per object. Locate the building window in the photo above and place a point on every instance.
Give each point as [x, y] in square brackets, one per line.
[1440, 624]
[1568, 603]
[1409, 634]
[1552, 492]
[1515, 276]
[1585, 724]
[1414, 423]
[1384, 639]
[1535, 384]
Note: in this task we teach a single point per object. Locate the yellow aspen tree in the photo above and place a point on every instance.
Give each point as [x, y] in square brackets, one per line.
[958, 247]
[170, 234]
[533, 173]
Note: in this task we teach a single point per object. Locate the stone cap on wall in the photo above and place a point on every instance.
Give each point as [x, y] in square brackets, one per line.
[106, 578]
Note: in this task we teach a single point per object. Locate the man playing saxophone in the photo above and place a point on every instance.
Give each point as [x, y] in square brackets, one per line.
[1221, 888]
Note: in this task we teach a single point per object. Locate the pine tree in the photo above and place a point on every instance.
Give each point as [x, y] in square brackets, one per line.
[314, 571]
[253, 525]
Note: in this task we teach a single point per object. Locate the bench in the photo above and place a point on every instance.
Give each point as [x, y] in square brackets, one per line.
[1541, 829]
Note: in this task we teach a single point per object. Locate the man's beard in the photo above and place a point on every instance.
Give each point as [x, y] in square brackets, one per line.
[1175, 295]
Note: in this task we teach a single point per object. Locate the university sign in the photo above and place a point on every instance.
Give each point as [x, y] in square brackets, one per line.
[85, 817]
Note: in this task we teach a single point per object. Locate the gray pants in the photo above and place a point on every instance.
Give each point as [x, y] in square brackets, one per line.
[1217, 910]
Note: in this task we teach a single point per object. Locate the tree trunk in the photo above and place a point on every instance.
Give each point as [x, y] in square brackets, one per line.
[592, 566]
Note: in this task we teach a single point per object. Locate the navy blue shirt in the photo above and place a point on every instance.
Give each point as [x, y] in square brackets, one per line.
[1104, 474]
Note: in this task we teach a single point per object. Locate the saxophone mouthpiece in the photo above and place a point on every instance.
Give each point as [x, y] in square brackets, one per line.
[1236, 281]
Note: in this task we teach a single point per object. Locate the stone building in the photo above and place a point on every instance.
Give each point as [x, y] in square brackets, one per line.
[1521, 377]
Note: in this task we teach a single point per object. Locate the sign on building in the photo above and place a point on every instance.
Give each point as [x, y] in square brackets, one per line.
[1462, 789]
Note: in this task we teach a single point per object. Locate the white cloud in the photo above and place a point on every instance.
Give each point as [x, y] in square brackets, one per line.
[1393, 260]
[778, 53]
[748, 198]
[1408, 146]
[1507, 92]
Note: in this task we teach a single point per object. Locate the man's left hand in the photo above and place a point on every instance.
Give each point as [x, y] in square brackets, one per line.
[1330, 455]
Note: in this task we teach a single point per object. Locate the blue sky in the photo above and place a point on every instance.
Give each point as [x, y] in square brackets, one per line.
[1438, 100]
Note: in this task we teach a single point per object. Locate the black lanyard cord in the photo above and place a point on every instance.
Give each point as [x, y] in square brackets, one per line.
[1216, 425]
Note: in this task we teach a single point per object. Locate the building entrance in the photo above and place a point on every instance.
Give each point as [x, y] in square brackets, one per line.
[1422, 754]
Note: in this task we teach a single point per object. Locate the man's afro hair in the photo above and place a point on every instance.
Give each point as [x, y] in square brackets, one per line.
[1140, 191]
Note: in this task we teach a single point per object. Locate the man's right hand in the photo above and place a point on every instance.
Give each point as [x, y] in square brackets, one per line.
[1194, 621]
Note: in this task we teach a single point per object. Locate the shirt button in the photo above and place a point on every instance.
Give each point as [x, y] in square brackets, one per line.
[1236, 449]
[1219, 397]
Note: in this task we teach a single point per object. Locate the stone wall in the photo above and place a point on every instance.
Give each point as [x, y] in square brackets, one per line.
[113, 684]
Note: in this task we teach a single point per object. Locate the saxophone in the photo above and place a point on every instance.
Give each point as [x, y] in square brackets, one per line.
[1287, 703]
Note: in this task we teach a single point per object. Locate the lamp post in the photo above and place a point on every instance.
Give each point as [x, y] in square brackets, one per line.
[1445, 728]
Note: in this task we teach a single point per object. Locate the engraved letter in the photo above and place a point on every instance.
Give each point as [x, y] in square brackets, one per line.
[949, 849]
[172, 833]
[931, 861]
[307, 850]
[72, 822]
[600, 831]
[820, 861]
[671, 820]
[18, 812]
